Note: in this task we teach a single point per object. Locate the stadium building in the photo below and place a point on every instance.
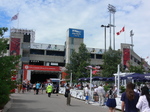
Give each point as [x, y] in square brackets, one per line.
[40, 62]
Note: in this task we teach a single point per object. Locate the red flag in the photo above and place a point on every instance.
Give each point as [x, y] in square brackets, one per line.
[122, 30]
[15, 17]
[118, 33]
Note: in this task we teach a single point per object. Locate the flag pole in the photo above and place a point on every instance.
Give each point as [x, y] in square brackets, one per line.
[18, 21]
[124, 35]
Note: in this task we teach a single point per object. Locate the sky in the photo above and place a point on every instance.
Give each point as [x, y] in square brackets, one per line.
[50, 20]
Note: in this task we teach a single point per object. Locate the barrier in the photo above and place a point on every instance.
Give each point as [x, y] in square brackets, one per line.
[80, 95]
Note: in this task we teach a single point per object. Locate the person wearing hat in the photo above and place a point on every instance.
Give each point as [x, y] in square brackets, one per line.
[49, 89]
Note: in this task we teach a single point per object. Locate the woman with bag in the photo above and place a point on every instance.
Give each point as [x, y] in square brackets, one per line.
[144, 100]
[111, 101]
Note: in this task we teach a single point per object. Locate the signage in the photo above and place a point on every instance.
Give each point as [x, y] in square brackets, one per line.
[76, 33]
[44, 68]
[15, 46]
[126, 58]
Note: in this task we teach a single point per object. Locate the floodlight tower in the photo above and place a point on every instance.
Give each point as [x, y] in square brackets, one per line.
[112, 10]
[131, 35]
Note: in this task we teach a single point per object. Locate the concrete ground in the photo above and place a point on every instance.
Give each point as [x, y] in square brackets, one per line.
[28, 102]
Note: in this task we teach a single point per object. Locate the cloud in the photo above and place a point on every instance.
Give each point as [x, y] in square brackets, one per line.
[51, 18]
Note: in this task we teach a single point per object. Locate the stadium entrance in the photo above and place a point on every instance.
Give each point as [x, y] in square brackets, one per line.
[42, 76]
[34, 73]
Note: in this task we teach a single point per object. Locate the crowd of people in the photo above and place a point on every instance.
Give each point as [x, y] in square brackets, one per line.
[133, 100]
[38, 87]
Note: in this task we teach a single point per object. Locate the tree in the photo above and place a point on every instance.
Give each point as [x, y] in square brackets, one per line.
[7, 67]
[111, 59]
[78, 62]
[136, 69]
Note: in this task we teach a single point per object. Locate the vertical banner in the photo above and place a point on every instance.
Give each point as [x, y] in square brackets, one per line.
[126, 57]
[15, 46]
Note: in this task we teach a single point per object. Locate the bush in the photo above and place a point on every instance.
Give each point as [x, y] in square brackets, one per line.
[106, 87]
[122, 89]
[4, 93]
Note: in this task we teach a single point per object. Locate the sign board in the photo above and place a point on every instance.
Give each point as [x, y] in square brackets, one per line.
[76, 33]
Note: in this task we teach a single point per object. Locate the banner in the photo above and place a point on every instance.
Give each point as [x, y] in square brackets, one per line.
[15, 46]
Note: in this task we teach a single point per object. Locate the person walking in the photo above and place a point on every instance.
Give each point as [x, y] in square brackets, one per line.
[19, 88]
[34, 88]
[86, 93]
[57, 89]
[42, 87]
[23, 87]
[49, 89]
[101, 94]
[37, 88]
[68, 94]
[129, 99]
[111, 101]
[144, 100]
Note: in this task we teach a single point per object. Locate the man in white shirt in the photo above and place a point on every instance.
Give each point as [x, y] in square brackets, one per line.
[101, 92]
[86, 93]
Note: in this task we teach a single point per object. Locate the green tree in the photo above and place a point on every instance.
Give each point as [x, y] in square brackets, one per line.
[7, 66]
[136, 69]
[78, 62]
[111, 59]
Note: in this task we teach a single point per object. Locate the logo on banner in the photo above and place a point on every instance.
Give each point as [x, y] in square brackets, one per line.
[26, 67]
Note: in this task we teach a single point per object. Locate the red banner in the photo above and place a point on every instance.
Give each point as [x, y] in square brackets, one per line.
[43, 68]
[15, 46]
[126, 57]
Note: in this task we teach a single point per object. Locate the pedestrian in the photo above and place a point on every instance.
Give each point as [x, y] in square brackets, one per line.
[101, 95]
[129, 99]
[42, 87]
[28, 87]
[86, 93]
[111, 101]
[68, 94]
[19, 88]
[37, 88]
[95, 93]
[34, 88]
[49, 89]
[23, 87]
[144, 100]
[57, 89]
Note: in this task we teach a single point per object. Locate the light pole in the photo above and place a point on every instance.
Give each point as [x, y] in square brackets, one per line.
[90, 68]
[118, 80]
[131, 35]
[112, 10]
[105, 33]
[110, 25]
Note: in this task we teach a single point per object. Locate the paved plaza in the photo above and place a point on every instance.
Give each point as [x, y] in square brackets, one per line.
[28, 102]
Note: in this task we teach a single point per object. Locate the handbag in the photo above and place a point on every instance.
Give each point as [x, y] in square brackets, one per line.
[66, 94]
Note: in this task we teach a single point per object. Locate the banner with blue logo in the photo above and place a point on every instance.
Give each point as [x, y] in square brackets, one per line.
[76, 33]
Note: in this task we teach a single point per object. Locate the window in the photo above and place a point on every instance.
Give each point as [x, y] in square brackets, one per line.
[34, 51]
[98, 56]
[55, 53]
[26, 38]
[92, 56]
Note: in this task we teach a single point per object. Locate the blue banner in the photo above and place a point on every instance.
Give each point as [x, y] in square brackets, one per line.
[76, 33]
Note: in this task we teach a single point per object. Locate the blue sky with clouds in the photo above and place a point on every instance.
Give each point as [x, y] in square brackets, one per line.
[51, 18]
